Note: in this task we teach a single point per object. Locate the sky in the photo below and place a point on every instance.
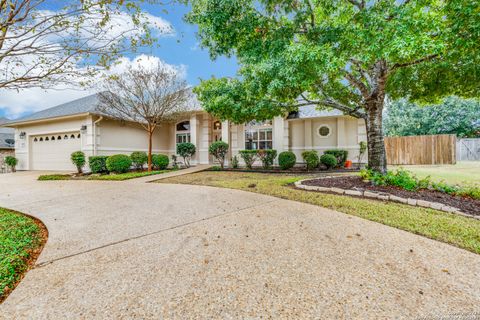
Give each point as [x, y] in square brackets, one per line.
[180, 49]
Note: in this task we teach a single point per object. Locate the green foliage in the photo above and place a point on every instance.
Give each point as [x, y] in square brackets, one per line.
[249, 157]
[53, 177]
[219, 150]
[98, 164]
[340, 155]
[160, 161]
[329, 160]
[453, 116]
[125, 176]
[362, 149]
[139, 159]
[11, 162]
[119, 163]
[267, 157]
[78, 159]
[186, 150]
[20, 236]
[235, 162]
[286, 160]
[311, 159]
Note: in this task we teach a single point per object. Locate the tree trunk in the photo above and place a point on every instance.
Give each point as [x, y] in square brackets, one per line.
[150, 136]
[377, 159]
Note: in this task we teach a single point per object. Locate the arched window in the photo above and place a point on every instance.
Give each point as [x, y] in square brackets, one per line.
[78, 136]
[72, 136]
[35, 140]
[65, 137]
[59, 138]
[53, 138]
[46, 139]
[183, 132]
[41, 139]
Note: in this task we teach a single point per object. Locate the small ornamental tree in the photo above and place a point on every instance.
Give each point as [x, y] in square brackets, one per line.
[267, 157]
[219, 150]
[78, 159]
[186, 150]
[11, 162]
[311, 159]
[361, 152]
[249, 157]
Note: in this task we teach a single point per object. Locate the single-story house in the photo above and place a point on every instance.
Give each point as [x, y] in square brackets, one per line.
[7, 146]
[45, 140]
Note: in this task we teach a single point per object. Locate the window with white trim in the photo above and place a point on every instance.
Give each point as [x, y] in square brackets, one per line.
[183, 132]
[258, 135]
[324, 131]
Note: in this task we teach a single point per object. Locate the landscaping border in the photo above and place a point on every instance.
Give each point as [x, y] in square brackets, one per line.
[382, 196]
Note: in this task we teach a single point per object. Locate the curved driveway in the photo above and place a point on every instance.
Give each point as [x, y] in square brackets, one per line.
[139, 250]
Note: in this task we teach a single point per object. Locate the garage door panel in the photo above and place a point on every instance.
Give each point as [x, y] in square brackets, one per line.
[52, 152]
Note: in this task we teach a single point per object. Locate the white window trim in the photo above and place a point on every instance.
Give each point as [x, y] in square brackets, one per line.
[186, 132]
[329, 131]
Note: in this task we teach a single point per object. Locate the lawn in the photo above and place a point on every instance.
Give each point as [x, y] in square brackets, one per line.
[466, 172]
[109, 177]
[450, 228]
[21, 240]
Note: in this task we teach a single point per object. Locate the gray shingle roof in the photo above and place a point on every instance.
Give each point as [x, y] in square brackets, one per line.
[305, 112]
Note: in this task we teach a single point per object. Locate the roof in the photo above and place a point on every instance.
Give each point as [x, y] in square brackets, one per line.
[311, 111]
[6, 134]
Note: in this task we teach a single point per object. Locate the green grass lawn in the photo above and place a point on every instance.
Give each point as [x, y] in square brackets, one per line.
[450, 228]
[462, 173]
[109, 177]
[21, 240]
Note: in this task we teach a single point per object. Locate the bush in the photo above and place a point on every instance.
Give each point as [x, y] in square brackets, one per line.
[311, 159]
[139, 158]
[235, 162]
[267, 157]
[11, 162]
[98, 164]
[249, 157]
[341, 156]
[160, 161]
[329, 161]
[219, 150]
[287, 160]
[78, 159]
[186, 150]
[119, 163]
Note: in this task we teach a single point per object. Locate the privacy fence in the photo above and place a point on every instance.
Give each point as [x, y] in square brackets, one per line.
[431, 149]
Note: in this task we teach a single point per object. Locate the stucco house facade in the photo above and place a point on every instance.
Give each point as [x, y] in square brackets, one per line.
[45, 140]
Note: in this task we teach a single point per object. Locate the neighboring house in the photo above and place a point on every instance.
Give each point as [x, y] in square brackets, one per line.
[7, 139]
[45, 140]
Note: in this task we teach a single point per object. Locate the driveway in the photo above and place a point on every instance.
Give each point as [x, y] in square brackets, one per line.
[141, 250]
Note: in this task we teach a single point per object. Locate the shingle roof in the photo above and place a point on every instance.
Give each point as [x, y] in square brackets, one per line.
[305, 112]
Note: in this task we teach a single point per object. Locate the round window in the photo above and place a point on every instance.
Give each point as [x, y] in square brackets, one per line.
[324, 131]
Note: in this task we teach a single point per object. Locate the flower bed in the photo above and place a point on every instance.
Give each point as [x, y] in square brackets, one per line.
[356, 186]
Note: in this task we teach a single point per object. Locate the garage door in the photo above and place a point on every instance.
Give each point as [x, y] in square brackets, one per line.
[52, 151]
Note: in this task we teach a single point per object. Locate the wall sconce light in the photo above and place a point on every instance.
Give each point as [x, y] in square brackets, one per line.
[23, 134]
[83, 129]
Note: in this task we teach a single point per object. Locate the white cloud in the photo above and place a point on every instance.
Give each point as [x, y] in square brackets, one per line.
[15, 103]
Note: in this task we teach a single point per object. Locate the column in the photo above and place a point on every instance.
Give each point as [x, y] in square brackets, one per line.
[193, 136]
[278, 135]
[226, 138]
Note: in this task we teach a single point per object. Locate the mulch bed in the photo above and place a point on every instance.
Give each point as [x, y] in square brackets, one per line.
[294, 170]
[466, 205]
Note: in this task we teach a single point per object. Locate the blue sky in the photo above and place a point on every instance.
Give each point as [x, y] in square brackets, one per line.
[179, 49]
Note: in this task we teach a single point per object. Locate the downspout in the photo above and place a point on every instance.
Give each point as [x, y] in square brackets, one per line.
[95, 135]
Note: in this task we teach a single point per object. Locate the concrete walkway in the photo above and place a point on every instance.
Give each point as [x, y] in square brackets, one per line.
[153, 251]
[197, 168]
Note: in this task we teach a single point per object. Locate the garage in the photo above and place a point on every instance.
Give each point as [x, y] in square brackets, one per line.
[52, 151]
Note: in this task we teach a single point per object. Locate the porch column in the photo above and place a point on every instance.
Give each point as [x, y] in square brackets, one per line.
[226, 138]
[278, 132]
[193, 136]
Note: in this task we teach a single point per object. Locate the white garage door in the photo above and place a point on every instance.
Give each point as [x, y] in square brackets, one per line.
[52, 151]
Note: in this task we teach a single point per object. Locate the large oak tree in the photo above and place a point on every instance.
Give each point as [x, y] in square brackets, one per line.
[342, 54]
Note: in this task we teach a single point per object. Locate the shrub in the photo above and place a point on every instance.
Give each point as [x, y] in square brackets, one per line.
[186, 150]
[12, 162]
[119, 163]
[329, 161]
[98, 164]
[341, 156]
[139, 158]
[235, 162]
[267, 157]
[311, 159]
[287, 160]
[160, 161]
[249, 157]
[78, 159]
[219, 150]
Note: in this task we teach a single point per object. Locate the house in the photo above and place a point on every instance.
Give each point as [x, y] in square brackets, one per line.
[7, 147]
[45, 140]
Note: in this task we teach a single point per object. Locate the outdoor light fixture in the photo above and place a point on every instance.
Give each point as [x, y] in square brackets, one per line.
[22, 135]
[83, 128]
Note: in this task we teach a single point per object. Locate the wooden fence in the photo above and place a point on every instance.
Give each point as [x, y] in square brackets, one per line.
[432, 149]
[468, 149]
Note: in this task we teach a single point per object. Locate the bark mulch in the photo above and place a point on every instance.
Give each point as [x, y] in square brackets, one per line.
[465, 204]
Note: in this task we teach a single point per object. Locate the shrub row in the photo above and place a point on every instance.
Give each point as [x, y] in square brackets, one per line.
[334, 158]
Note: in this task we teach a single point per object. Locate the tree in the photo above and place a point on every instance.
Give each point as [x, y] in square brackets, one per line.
[149, 97]
[44, 47]
[342, 54]
[219, 150]
[453, 116]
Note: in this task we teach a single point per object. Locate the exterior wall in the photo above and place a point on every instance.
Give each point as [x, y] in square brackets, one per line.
[22, 146]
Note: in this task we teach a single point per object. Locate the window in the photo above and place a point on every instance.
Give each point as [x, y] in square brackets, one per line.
[183, 137]
[35, 140]
[183, 126]
[72, 136]
[183, 132]
[323, 131]
[258, 136]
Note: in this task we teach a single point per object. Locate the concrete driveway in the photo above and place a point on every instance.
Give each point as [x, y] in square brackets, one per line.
[139, 250]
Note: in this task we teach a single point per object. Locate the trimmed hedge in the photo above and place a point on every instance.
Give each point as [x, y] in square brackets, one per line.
[98, 164]
[249, 157]
[78, 159]
[286, 160]
[119, 163]
[267, 157]
[311, 159]
[139, 159]
[329, 161]
[340, 155]
[12, 162]
[160, 161]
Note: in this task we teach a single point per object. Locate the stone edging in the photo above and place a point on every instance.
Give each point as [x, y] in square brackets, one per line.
[383, 196]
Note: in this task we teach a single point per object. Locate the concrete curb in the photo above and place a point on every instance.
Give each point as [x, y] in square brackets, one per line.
[384, 197]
